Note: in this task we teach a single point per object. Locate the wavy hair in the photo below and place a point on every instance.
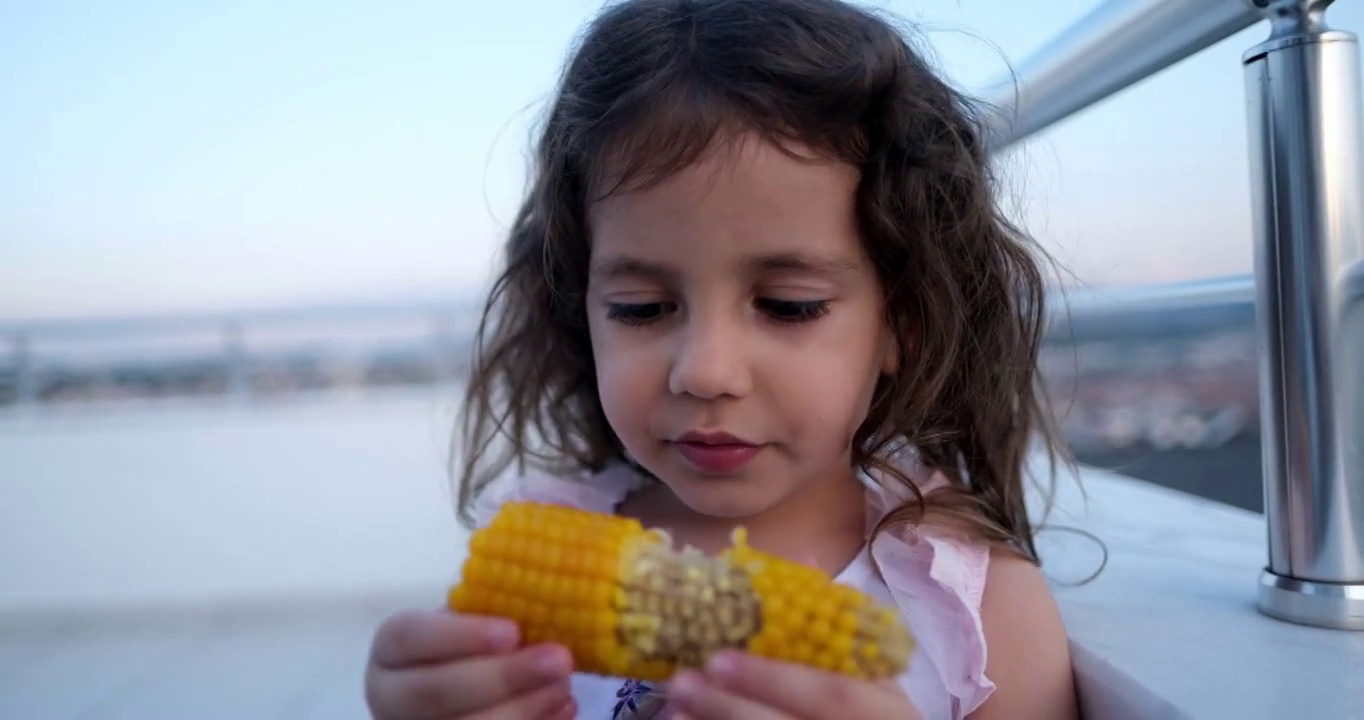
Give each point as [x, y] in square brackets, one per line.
[654, 84]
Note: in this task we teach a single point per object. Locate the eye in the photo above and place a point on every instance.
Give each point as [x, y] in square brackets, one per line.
[793, 311]
[637, 313]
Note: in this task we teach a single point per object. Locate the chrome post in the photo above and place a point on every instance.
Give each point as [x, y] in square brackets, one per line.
[1307, 177]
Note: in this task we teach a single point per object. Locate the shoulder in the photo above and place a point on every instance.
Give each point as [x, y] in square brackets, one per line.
[1029, 655]
[596, 491]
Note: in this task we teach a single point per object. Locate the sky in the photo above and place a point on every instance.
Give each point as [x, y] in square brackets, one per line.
[161, 156]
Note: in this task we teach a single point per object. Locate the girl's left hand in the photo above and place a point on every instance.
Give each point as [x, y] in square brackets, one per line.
[736, 685]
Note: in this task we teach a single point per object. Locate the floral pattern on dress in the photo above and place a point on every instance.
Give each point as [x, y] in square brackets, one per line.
[637, 700]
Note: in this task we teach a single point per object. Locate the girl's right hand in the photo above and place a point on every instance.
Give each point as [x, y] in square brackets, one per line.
[439, 664]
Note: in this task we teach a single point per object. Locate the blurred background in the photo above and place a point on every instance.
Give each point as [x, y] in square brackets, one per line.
[241, 251]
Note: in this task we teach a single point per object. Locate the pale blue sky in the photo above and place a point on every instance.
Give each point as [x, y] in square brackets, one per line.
[164, 155]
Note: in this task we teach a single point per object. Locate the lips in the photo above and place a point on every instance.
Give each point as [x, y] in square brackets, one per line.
[715, 453]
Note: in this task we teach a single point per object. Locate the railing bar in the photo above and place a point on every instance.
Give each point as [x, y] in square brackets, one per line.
[1119, 44]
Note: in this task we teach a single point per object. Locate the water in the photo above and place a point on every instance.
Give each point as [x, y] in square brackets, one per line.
[1229, 473]
[203, 503]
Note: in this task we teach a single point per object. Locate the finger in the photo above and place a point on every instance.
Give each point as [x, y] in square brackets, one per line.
[414, 637]
[548, 702]
[800, 690]
[567, 711]
[697, 699]
[468, 686]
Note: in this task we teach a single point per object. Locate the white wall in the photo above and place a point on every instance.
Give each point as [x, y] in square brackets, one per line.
[146, 508]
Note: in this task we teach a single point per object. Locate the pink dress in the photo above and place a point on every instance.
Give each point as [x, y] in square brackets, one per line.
[936, 580]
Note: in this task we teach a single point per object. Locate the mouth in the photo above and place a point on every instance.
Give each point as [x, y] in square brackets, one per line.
[715, 453]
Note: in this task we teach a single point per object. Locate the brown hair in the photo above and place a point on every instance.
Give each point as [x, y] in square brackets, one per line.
[653, 85]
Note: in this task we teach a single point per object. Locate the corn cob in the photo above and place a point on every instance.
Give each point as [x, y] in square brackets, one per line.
[627, 604]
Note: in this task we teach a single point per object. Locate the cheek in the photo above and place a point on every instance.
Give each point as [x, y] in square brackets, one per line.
[828, 400]
[625, 380]
[828, 392]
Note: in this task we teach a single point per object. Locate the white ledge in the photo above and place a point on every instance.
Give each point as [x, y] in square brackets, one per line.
[1170, 627]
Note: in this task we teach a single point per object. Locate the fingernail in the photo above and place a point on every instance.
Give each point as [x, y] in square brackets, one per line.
[685, 684]
[551, 661]
[502, 635]
[723, 665]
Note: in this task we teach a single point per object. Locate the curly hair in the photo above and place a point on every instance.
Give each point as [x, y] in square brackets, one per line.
[654, 84]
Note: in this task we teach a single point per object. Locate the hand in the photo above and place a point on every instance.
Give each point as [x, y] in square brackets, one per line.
[442, 665]
[736, 685]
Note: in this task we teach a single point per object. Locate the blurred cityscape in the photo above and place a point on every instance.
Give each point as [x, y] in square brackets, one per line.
[1163, 389]
[246, 356]
[1171, 397]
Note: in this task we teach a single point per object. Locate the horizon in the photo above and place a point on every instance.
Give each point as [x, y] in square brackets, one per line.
[1131, 303]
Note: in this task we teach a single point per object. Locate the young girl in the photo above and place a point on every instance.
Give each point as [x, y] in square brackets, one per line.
[760, 279]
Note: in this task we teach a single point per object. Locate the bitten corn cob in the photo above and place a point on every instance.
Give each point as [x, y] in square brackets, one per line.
[627, 604]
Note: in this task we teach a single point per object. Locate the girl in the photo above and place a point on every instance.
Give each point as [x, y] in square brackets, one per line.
[760, 278]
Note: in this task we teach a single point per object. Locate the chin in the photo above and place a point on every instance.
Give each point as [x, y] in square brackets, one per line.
[728, 510]
[724, 498]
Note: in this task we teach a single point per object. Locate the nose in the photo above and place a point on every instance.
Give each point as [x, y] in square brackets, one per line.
[710, 360]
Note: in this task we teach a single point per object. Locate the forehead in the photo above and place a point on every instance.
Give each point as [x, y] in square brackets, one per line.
[746, 197]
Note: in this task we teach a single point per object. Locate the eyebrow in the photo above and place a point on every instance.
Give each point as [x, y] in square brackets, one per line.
[625, 266]
[803, 262]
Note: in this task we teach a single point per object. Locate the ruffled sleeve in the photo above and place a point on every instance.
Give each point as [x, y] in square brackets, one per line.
[598, 492]
[937, 581]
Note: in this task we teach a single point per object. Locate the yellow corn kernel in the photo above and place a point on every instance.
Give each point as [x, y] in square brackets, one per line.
[626, 603]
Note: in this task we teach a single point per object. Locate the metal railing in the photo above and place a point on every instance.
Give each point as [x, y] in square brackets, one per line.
[1307, 186]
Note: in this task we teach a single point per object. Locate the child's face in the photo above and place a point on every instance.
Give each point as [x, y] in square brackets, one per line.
[736, 300]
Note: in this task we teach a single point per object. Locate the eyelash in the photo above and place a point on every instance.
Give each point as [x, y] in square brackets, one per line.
[794, 311]
[790, 312]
